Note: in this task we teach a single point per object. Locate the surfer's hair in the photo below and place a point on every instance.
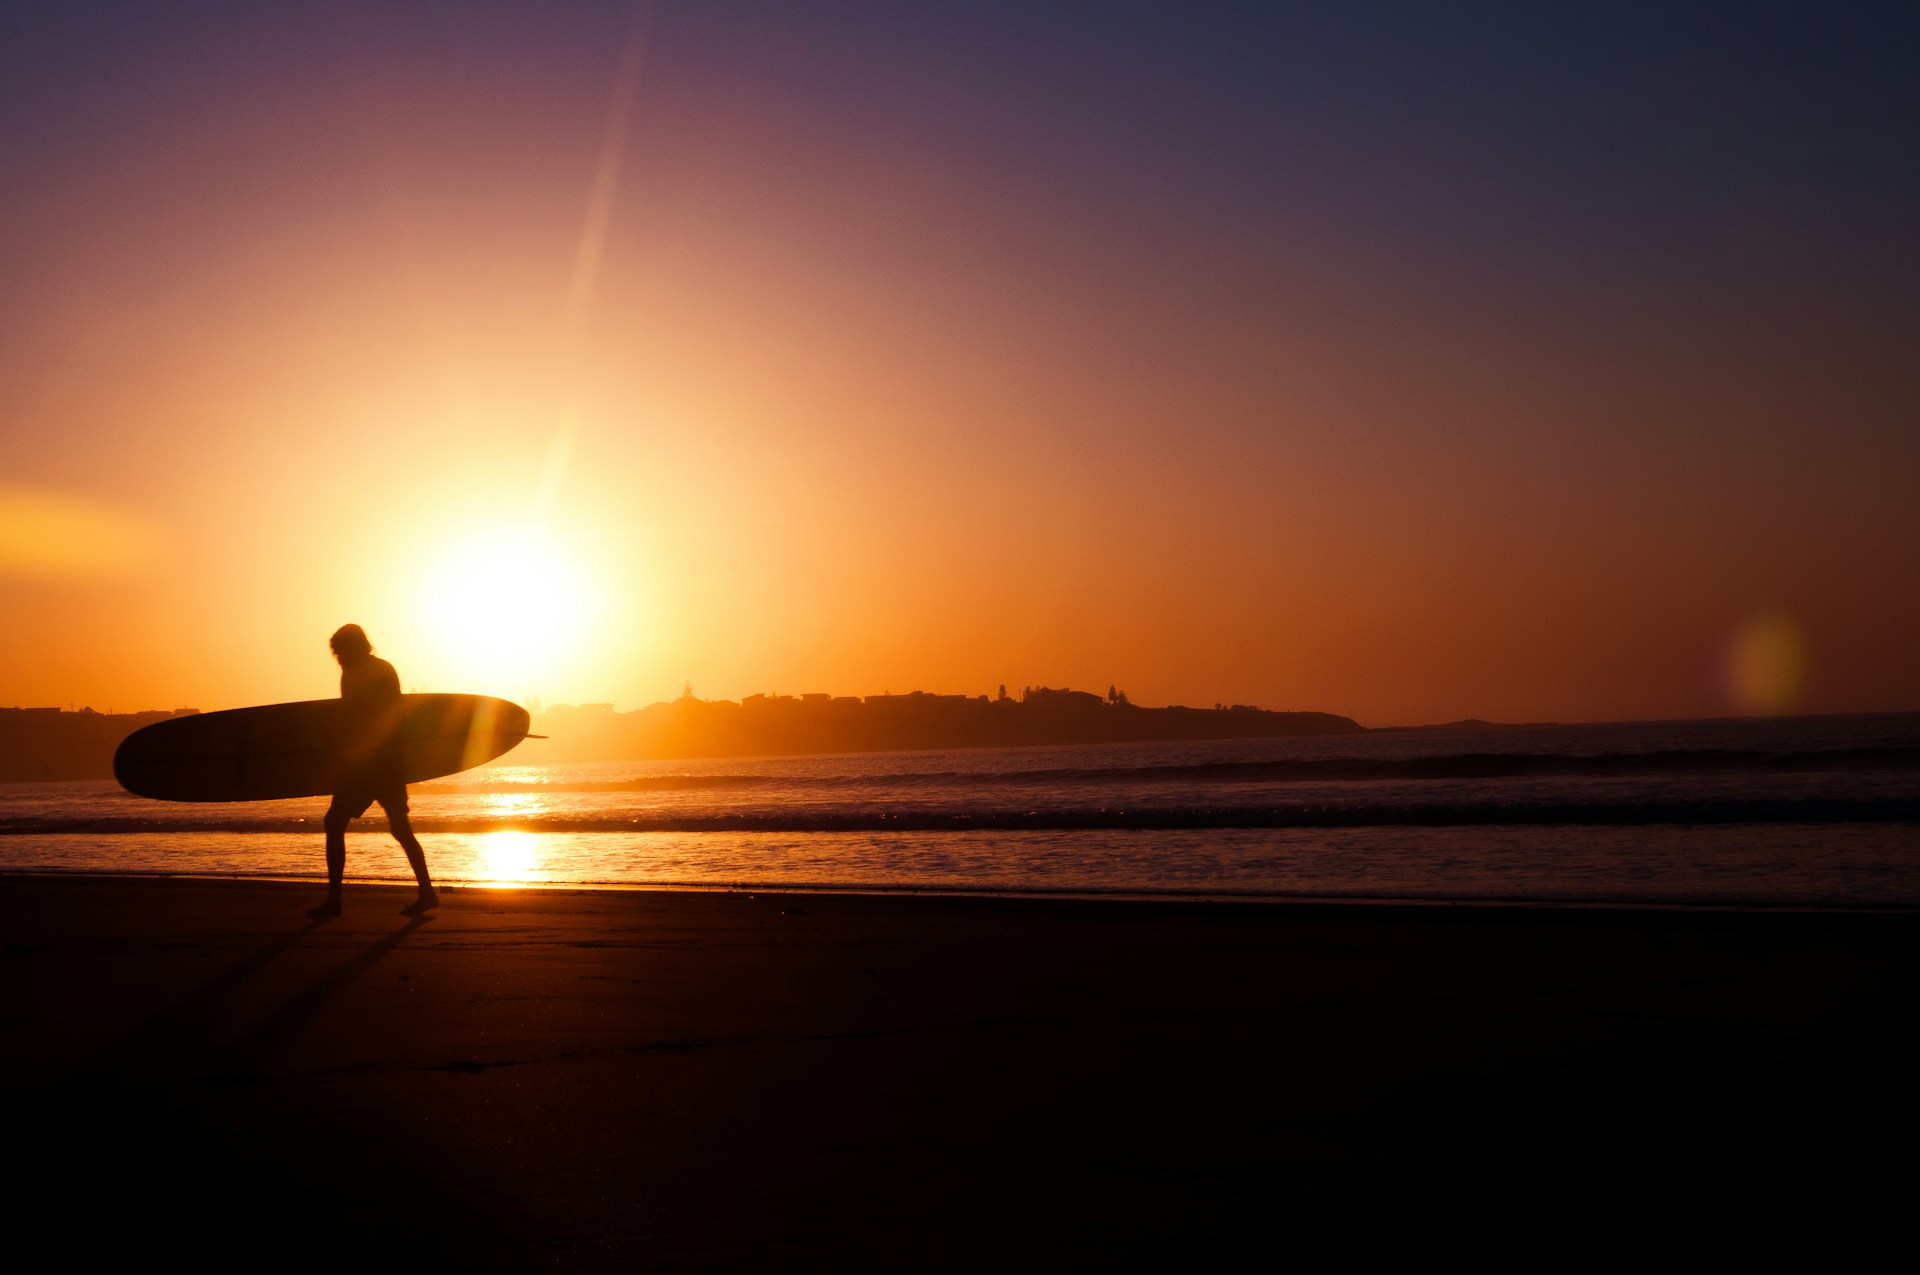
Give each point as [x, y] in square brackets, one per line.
[350, 639]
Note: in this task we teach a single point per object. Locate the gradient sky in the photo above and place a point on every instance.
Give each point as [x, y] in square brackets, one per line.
[1405, 361]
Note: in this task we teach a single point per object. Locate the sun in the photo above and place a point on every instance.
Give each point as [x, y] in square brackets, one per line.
[504, 611]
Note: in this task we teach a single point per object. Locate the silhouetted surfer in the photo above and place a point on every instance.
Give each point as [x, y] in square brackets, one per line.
[370, 691]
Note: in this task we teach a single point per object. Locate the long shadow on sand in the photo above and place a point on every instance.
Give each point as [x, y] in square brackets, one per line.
[161, 1148]
[183, 1040]
[253, 1051]
[178, 1036]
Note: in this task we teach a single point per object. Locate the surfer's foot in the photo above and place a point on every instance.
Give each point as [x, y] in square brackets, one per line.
[326, 911]
[427, 902]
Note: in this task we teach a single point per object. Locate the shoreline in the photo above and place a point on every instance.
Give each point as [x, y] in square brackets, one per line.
[987, 893]
[704, 1079]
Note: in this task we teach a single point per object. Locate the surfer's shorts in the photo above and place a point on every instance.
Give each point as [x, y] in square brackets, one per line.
[351, 805]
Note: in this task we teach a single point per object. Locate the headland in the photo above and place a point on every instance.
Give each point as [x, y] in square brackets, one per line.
[787, 725]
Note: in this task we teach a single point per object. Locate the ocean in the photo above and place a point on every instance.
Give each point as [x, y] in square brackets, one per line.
[1810, 812]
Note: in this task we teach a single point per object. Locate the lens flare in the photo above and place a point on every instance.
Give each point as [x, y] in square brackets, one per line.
[55, 536]
[1766, 666]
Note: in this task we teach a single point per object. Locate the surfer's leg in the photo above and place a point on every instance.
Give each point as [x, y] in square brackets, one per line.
[416, 857]
[338, 817]
[402, 828]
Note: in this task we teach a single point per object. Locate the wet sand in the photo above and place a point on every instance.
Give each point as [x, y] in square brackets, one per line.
[615, 1079]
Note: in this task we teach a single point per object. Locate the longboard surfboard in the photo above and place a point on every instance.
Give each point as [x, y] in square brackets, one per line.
[273, 751]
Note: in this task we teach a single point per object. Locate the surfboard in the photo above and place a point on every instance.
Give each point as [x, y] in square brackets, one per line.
[273, 751]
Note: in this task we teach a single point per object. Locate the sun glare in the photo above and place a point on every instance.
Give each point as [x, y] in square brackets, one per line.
[505, 612]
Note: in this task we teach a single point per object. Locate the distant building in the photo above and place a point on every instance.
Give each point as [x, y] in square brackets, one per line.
[917, 699]
[1063, 698]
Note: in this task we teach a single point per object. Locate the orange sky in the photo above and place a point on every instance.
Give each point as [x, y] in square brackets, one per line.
[908, 360]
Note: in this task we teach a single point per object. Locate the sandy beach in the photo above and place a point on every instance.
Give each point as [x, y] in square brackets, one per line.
[688, 1080]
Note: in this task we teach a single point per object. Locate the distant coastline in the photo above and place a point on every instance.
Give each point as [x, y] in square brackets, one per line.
[46, 744]
[786, 725]
[1469, 723]
[54, 743]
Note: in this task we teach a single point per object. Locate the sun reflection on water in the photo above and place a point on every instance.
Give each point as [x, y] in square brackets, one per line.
[508, 857]
[512, 805]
